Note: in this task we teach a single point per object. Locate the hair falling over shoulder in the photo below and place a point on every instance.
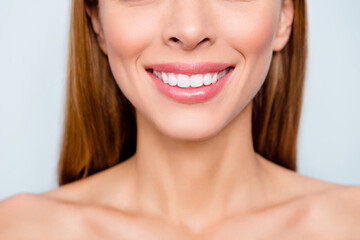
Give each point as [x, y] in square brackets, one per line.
[100, 126]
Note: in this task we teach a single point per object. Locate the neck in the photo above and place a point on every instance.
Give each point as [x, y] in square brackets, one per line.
[198, 180]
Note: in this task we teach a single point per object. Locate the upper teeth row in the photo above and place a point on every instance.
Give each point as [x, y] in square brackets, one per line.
[185, 81]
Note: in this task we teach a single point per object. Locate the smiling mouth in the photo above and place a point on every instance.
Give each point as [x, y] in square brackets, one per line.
[190, 81]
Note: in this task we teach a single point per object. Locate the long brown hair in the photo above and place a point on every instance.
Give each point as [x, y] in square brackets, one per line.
[100, 125]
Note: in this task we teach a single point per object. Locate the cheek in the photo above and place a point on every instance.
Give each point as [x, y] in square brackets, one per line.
[251, 33]
[251, 30]
[127, 33]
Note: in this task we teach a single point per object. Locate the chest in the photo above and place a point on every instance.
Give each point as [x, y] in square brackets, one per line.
[280, 227]
[269, 225]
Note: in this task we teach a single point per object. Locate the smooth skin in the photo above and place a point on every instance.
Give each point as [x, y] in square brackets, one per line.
[195, 174]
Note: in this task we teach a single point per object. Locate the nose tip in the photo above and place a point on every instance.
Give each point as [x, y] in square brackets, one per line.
[188, 25]
[187, 44]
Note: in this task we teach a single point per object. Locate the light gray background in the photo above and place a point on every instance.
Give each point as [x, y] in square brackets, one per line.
[33, 42]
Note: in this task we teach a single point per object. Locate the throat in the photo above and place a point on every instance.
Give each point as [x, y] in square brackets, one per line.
[197, 181]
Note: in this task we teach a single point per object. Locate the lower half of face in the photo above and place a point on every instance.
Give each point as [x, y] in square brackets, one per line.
[238, 35]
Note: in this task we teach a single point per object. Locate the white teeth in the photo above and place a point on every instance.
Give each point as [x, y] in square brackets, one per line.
[164, 77]
[197, 80]
[185, 81]
[221, 74]
[156, 73]
[172, 79]
[207, 79]
[214, 78]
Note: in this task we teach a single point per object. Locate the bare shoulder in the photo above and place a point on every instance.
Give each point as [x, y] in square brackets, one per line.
[33, 205]
[30, 216]
[321, 209]
[341, 203]
[335, 213]
[96, 189]
[23, 201]
[25, 216]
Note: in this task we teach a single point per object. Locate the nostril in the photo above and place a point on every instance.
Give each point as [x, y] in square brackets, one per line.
[174, 39]
[204, 40]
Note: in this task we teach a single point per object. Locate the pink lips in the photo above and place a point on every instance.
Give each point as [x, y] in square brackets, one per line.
[190, 95]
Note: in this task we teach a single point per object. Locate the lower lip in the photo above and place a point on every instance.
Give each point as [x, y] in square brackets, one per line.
[190, 95]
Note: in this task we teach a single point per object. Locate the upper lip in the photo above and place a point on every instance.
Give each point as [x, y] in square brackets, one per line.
[192, 68]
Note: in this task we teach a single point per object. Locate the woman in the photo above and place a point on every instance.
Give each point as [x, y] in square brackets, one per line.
[181, 123]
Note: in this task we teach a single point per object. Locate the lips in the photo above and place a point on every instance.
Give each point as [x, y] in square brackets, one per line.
[197, 94]
[192, 68]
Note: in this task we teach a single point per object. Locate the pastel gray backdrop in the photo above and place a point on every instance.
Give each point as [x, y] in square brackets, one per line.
[33, 42]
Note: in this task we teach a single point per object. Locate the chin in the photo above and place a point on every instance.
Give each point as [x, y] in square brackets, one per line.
[189, 129]
[189, 133]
